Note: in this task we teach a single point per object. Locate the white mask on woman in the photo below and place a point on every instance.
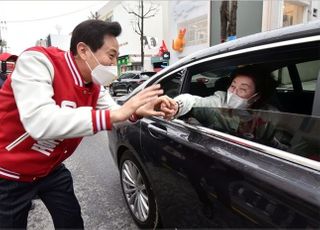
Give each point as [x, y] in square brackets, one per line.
[236, 102]
[101, 74]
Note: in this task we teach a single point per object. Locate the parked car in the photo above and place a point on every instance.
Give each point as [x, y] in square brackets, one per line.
[128, 81]
[184, 174]
[7, 64]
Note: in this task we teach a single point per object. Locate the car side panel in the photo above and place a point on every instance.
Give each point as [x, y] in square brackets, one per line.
[202, 181]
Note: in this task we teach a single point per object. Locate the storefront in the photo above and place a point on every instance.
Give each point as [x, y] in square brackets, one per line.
[283, 13]
[128, 62]
[160, 62]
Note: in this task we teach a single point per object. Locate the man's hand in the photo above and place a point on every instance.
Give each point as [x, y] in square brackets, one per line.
[145, 99]
[158, 106]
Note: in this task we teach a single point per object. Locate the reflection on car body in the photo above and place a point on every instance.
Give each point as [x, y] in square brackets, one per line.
[228, 168]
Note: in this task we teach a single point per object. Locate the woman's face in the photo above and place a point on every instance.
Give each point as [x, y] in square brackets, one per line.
[243, 86]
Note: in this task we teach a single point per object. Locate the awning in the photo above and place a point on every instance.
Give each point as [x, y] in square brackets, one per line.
[8, 57]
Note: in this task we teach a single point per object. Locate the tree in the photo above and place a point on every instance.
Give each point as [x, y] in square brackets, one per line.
[94, 15]
[228, 20]
[140, 14]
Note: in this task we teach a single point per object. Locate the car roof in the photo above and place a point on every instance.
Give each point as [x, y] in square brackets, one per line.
[277, 35]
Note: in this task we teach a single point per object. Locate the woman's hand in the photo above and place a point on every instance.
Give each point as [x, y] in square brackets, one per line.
[170, 109]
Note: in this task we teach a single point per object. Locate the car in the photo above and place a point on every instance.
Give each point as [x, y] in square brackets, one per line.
[7, 64]
[128, 81]
[186, 173]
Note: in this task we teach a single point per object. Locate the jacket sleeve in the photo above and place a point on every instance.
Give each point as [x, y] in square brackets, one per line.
[41, 117]
[187, 101]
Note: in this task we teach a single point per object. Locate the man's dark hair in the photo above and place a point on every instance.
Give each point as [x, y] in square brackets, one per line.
[264, 83]
[92, 32]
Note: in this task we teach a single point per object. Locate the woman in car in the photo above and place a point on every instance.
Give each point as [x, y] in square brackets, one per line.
[250, 88]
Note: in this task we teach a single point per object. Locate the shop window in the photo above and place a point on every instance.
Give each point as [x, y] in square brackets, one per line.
[292, 13]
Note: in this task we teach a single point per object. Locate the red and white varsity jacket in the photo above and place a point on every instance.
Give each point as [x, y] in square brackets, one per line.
[45, 110]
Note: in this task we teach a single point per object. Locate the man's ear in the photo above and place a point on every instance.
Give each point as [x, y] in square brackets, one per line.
[82, 50]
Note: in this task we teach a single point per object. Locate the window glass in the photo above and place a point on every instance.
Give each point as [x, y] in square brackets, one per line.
[283, 78]
[171, 85]
[284, 121]
[206, 83]
[293, 133]
[292, 13]
[308, 72]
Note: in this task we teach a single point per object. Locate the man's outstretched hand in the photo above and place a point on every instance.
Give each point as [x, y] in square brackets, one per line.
[147, 102]
[155, 107]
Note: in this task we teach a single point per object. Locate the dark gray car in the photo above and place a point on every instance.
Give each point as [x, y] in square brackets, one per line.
[196, 171]
[128, 81]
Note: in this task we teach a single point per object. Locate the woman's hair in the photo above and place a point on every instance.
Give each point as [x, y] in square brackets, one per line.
[265, 84]
[92, 32]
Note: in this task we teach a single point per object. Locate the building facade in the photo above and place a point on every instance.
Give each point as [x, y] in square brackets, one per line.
[129, 40]
[201, 21]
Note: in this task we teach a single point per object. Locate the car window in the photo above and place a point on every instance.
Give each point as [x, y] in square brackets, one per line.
[308, 72]
[172, 84]
[206, 83]
[286, 121]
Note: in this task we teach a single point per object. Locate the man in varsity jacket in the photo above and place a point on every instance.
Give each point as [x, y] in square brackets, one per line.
[52, 99]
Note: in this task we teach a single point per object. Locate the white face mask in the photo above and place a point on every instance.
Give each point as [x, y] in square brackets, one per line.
[103, 75]
[236, 102]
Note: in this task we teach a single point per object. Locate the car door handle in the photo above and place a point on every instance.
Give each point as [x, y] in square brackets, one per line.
[158, 132]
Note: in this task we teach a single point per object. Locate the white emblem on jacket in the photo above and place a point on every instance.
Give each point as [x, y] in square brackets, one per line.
[46, 146]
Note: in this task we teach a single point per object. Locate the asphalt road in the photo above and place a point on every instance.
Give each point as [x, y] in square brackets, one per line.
[97, 186]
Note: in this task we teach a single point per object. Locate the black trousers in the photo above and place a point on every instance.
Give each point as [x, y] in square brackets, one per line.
[56, 192]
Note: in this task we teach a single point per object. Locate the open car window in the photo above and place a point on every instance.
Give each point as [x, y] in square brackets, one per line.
[286, 123]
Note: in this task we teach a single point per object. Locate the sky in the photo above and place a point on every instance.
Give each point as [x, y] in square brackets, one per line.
[29, 21]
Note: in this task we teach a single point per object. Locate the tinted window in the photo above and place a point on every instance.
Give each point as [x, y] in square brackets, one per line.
[171, 85]
[285, 122]
[293, 133]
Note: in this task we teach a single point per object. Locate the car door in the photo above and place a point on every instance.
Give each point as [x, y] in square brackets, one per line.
[164, 143]
[204, 175]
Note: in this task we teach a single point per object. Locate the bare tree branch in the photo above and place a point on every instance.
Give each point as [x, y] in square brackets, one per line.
[141, 13]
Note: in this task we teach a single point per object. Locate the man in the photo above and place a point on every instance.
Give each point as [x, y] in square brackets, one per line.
[52, 99]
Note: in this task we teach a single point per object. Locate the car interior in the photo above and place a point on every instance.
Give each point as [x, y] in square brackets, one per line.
[296, 79]
[292, 105]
